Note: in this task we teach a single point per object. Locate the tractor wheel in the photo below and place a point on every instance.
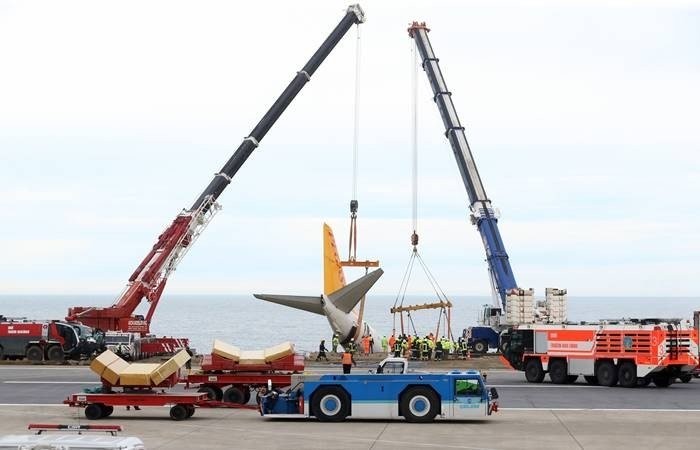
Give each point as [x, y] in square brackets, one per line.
[481, 347]
[627, 374]
[55, 354]
[234, 394]
[533, 371]
[558, 371]
[606, 373]
[94, 411]
[178, 412]
[419, 404]
[213, 392]
[35, 353]
[330, 404]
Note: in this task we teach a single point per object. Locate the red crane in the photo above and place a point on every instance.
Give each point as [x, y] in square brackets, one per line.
[149, 279]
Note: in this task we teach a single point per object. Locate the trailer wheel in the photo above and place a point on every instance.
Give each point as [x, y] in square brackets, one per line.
[419, 404]
[686, 377]
[234, 395]
[246, 395]
[481, 347]
[591, 379]
[662, 381]
[627, 374]
[190, 410]
[35, 353]
[213, 392]
[55, 354]
[178, 412]
[533, 370]
[558, 372]
[107, 410]
[330, 404]
[93, 411]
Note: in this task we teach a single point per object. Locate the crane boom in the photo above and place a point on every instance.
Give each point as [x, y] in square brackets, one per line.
[149, 279]
[482, 213]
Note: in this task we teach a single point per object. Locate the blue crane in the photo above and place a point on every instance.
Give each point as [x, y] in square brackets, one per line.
[482, 213]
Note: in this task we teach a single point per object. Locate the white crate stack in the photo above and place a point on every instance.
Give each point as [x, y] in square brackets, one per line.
[520, 306]
[555, 304]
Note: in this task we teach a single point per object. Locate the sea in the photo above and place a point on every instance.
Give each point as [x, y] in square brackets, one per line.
[253, 324]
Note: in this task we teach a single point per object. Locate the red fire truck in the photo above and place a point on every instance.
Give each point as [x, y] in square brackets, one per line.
[45, 340]
[629, 352]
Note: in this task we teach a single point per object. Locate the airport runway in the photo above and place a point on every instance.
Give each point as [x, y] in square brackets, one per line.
[28, 385]
[533, 417]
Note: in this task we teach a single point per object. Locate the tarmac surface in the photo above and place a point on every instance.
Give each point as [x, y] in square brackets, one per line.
[532, 416]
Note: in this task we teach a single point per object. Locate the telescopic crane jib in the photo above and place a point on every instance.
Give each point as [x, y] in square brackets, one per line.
[150, 277]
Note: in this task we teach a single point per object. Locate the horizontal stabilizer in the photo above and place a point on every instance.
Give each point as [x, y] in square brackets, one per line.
[348, 296]
[310, 304]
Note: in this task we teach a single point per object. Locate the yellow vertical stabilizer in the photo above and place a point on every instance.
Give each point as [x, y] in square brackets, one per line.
[333, 276]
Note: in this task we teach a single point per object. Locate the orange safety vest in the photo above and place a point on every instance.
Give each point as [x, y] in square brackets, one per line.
[347, 358]
[392, 340]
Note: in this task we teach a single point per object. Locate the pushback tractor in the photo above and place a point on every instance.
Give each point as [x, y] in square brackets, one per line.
[388, 393]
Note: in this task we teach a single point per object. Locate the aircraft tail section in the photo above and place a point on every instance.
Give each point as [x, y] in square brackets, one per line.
[333, 276]
[310, 304]
[347, 297]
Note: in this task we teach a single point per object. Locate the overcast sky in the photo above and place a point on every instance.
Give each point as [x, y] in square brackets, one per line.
[582, 117]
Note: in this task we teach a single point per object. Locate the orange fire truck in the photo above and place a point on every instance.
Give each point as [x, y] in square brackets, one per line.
[631, 352]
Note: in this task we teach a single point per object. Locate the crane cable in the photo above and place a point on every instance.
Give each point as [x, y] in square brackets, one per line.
[352, 243]
[415, 255]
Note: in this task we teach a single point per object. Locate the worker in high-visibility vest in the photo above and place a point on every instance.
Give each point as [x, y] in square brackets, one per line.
[348, 361]
[385, 344]
[392, 341]
[397, 348]
[335, 343]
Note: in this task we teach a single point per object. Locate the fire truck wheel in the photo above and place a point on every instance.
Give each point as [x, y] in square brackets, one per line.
[606, 373]
[93, 411]
[330, 404]
[55, 354]
[419, 404]
[234, 395]
[662, 381]
[627, 374]
[591, 379]
[571, 379]
[686, 377]
[35, 353]
[558, 371]
[107, 410]
[481, 347]
[213, 392]
[190, 410]
[178, 412]
[643, 381]
[533, 371]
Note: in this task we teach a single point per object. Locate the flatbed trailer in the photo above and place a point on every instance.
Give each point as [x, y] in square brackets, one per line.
[386, 394]
[101, 405]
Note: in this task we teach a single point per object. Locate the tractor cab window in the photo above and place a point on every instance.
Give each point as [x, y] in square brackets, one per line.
[468, 388]
[391, 367]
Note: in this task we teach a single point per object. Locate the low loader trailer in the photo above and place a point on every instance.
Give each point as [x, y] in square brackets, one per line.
[389, 393]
